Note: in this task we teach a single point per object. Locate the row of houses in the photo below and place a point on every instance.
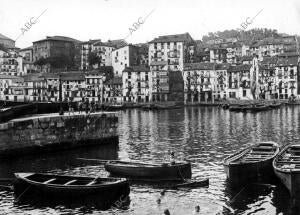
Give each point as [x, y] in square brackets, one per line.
[168, 68]
[197, 82]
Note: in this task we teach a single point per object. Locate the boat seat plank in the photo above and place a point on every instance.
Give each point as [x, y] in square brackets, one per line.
[70, 182]
[91, 183]
[261, 153]
[289, 162]
[50, 180]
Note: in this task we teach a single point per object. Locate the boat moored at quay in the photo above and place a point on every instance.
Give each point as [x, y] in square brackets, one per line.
[251, 164]
[287, 168]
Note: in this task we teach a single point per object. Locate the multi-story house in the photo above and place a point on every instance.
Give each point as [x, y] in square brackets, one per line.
[198, 82]
[287, 78]
[94, 86]
[136, 87]
[234, 53]
[35, 88]
[27, 54]
[64, 50]
[205, 82]
[218, 54]
[113, 90]
[86, 48]
[239, 82]
[11, 63]
[6, 42]
[270, 47]
[102, 49]
[167, 55]
[11, 88]
[143, 54]
[125, 56]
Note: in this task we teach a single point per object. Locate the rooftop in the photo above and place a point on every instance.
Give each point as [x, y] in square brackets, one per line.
[186, 37]
[3, 37]
[291, 61]
[59, 38]
[238, 68]
[115, 81]
[136, 69]
[199, 66]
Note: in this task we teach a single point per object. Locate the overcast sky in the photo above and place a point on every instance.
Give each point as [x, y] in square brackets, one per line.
[111, 19]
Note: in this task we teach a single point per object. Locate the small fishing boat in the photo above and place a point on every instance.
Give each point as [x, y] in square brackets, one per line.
[148, 171]
[275, 105]
[252, 163]
[258, 107]
[237, 107]
[287, 168]
[63, 186]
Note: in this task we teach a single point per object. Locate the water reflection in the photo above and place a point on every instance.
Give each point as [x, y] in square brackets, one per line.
[205, 136]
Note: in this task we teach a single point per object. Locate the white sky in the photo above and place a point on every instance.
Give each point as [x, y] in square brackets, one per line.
[111, 19]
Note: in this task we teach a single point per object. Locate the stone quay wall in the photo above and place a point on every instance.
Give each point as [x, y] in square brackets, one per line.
[53, 132]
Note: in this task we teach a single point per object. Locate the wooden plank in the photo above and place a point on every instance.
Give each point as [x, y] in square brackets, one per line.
[70, 182]
[50, 180]
[91, 183]
[289, 162]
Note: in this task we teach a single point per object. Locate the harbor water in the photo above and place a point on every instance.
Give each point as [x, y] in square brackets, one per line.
[203, 135]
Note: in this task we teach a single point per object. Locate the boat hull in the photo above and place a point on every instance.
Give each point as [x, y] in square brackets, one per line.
[253, 172]
[173, 172]
[252, 164]
[291, 180]
[60, 192]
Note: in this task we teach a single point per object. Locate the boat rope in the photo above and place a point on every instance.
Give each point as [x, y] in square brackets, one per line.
[18, 198]
[233, 199]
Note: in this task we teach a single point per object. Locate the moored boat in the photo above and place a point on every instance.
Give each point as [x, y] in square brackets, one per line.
[258, 107]
[253, 163]
[287, 168]
[63, 186]
[275, 105]
[148, 171]
[238, 107]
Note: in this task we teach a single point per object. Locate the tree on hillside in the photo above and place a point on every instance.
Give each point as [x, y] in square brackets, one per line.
[248, 36]
[61, 61]
[94, 59]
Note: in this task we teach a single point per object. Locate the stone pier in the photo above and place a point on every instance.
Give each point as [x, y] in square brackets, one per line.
[52, 132]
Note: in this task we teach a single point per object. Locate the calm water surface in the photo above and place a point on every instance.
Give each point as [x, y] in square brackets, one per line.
[203, 135]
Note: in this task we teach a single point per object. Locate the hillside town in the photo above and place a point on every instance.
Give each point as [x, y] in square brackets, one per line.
[168, 68]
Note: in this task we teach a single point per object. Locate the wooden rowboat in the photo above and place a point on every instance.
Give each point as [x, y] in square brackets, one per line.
[275, 105]
[62, 186]
[252, 163]
[287, 168]
[136, 170]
